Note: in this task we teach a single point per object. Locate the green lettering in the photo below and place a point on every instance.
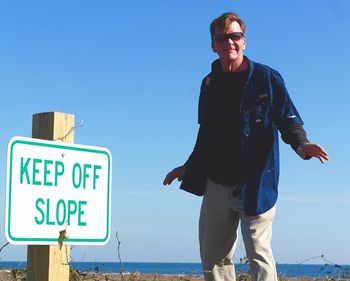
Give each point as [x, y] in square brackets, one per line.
[36, 171]
[47, 172]
[39, 222]
[57, 171]
[80, 213]
[75, 167]
[95, 175]
[24, 170]
[48, 222]
[64, 211]
[86, 175]
[70, 210]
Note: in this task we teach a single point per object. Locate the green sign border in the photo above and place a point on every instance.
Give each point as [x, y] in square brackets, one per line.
[59, 146]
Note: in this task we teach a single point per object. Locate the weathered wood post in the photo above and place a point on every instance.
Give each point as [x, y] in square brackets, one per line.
[50, 262]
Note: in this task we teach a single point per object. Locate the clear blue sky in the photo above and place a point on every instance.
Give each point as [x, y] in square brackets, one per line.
[131, 70]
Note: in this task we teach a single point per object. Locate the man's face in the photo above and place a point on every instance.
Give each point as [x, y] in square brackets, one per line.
[230, 49]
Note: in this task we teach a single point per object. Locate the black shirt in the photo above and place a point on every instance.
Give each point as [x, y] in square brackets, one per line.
[224, 126]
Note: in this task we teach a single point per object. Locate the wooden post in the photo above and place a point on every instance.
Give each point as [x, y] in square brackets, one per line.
[50, 262]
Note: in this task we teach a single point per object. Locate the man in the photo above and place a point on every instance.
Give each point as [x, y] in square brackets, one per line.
[235, 161]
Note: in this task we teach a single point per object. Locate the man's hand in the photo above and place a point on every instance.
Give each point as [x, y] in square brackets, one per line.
[308, 150]
[177, 173]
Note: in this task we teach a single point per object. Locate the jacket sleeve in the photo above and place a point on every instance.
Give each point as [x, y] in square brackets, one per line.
[194, 179]
[294, 134]
[195, 176]
[285, 115]
[199, 148]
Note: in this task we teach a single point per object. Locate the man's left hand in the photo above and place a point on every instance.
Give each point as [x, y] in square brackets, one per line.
[308, 150]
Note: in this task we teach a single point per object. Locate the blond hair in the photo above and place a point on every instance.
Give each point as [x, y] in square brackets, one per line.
[222, 23]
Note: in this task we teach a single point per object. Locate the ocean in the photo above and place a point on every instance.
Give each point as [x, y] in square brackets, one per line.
[287, 270]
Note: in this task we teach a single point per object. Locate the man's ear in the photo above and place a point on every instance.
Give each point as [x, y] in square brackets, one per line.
[245, 42]
[212, 46]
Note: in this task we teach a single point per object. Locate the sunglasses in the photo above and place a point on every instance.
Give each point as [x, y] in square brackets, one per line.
[223, 37]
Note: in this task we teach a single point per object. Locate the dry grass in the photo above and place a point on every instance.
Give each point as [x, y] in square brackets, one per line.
[15, 275]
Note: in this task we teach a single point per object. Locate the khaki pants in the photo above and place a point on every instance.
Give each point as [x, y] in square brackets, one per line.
[218, 223]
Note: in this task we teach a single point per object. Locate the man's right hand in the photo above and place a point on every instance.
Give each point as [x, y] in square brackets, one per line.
[177, 173]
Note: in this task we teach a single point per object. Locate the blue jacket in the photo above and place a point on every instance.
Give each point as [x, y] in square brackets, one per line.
[265, 108]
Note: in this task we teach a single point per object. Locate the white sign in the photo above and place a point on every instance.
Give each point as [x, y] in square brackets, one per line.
[54, 186]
